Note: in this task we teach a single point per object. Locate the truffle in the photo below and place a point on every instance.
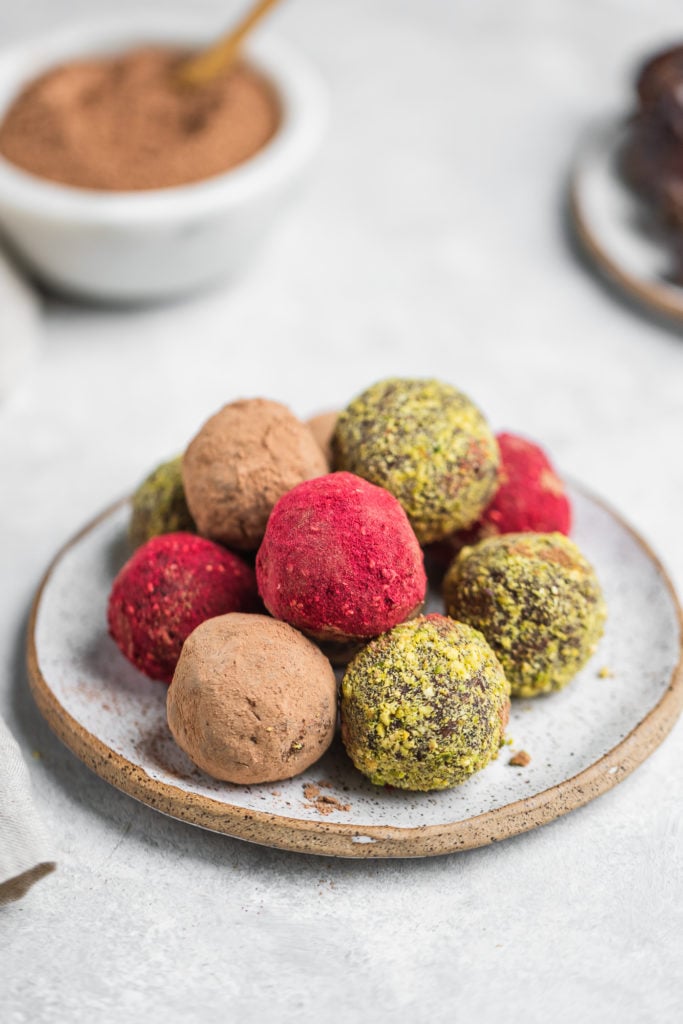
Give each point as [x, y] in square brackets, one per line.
[530, 496]
[322, 427]
[167, 587]
[252, 700]
[650, 154]
[537, 601]
[340, 560]
[242, 460]
[426, 443]
[425, 705]
[159, 505]
[659, 77]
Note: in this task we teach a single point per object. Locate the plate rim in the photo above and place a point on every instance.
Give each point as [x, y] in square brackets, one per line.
[341, 839]
[661, 297]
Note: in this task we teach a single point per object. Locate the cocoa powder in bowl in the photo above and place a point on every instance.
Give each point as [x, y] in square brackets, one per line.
[122, 123]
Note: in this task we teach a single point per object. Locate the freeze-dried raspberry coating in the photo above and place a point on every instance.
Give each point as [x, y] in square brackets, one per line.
[170, 585]
[530, 495]
[339, 559]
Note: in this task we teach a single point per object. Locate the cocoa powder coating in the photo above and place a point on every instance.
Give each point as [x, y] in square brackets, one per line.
[252, 700]
[121, 123]
[241, 462]
[322, 427]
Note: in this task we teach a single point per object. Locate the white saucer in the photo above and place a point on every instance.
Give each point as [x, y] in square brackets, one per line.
[582, 741]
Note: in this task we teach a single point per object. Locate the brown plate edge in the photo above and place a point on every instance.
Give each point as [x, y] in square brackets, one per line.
[659, 298]
[354, 841]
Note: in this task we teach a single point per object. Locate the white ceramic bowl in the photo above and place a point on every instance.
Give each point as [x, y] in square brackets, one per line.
[147, 246]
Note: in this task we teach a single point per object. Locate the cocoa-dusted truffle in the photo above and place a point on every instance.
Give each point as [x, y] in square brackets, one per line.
[322, 427]
[168, 586]
[537, 601]
[340, 560]
[242, 460]
[426, 443]
[252, 700]
[425, 705]
[159, 505]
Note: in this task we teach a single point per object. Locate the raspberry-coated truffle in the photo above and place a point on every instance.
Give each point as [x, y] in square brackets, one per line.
[242, 460]
[168, 586]
[426, 443]
[537, 601]
[159, 505]
[340, 560]
[530, 496]
[252, 700]
[425, 705]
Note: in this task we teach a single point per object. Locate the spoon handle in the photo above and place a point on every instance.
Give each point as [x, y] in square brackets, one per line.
[221, 55]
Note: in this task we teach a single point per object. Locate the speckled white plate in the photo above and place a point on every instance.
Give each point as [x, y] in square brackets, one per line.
[582, 741]
[608, 219]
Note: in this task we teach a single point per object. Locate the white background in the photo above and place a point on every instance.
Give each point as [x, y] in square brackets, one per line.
[430, 242]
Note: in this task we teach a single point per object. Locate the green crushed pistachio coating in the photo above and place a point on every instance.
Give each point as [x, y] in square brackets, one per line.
[426, 443]
[159, 505]
[425, 705]
[537, 601]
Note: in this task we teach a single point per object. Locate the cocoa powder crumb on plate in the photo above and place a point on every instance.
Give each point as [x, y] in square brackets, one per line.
[520, 760]
[322, 802]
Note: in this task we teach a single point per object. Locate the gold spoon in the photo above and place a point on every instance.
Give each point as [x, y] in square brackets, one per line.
[219, 57]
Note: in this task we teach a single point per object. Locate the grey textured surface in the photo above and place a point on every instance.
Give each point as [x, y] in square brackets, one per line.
[431, 241]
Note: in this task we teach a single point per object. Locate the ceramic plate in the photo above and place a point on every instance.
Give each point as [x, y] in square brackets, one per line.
[609, 222]
[582, 741]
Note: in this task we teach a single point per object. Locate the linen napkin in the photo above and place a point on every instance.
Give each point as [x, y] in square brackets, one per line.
[25, 852]
[20, 325]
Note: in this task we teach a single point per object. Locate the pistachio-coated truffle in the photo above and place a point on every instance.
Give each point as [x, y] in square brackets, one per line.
[245, 457]
[159, 505]
[339, 560]
[426, 443]
[425, 705]
[537, 601]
